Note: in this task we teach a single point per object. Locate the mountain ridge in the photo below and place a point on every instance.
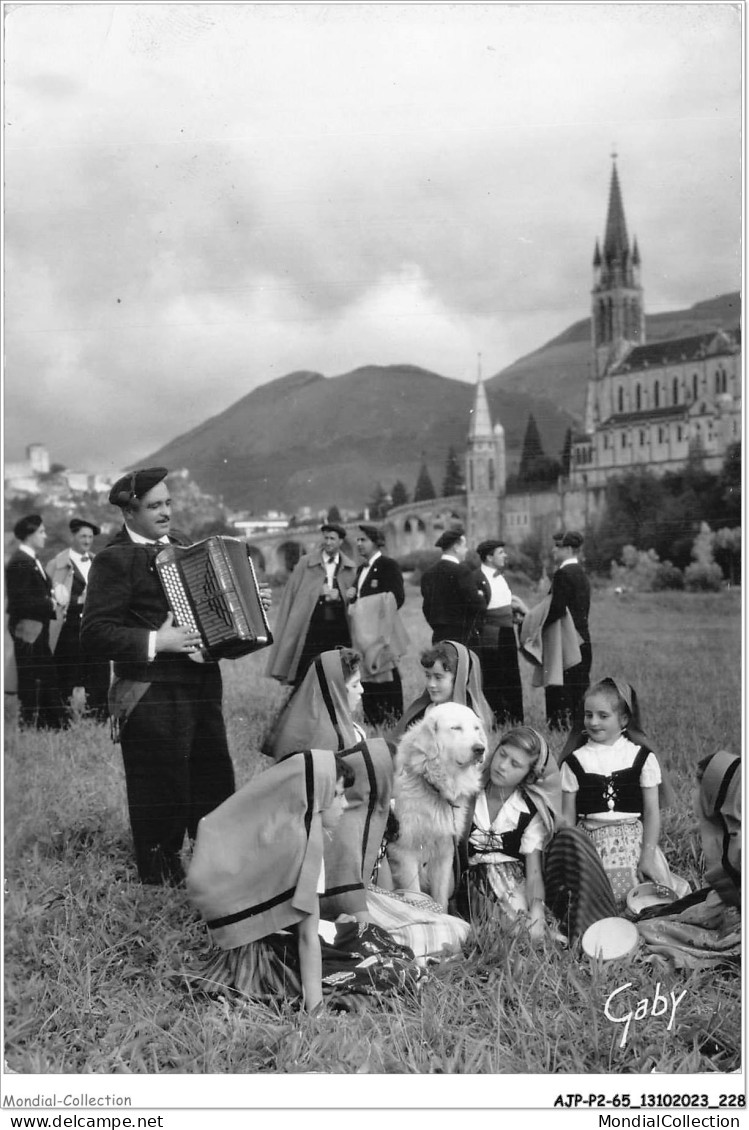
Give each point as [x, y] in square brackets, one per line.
[305, 439]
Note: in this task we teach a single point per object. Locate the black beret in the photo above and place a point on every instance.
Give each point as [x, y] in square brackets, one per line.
[334, 528]
[76, 524]
[484, 548]
[449, 538]
[27, 525]
[572, 539]
[374, 533]
[135, 485]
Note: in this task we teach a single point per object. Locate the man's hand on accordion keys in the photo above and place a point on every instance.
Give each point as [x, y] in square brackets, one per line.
[174, 637]
[266, 596]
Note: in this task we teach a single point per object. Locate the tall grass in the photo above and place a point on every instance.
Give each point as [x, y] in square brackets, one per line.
[93, 960]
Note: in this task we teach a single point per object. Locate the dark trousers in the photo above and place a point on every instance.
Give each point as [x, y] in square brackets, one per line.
[328, 629]
[40, 705]
[177, 769]
[500, 675]
[75, 669]
[383, 702]
[564, 705]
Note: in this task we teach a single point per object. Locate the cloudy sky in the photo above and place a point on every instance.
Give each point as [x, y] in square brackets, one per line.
[201, 198]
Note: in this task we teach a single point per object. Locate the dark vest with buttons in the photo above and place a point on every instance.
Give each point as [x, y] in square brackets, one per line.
[596, 789]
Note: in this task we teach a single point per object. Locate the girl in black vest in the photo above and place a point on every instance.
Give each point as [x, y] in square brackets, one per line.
[610, 788]
[513, 820]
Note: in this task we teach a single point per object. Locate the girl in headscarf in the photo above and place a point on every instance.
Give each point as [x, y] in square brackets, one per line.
[513, 820]
[704, 928]
[611, 788]
[453, 674]
[320, 712]
[257, 868]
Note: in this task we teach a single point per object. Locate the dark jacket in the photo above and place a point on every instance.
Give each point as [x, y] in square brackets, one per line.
[29, 591]
[453, 605]
[125, 601]
[384, 576]
[570, 588]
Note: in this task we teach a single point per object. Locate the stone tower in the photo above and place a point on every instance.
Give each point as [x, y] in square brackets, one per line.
[618, 314]
[485, 470]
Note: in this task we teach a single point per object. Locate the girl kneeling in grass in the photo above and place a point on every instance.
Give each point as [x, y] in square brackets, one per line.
[257, 869]
[513, 820]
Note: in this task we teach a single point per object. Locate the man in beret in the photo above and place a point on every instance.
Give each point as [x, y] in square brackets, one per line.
[453, 606]
[312, 613]
[497, 645]
[383, 697]
[165, 705]
[68, 572]
[570, 589]
[31, 608]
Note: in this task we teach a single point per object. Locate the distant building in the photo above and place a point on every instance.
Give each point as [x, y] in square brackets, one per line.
[648, 407]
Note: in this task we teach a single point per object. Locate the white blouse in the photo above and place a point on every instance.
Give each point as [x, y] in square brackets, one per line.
[595, 757]
[506, 820]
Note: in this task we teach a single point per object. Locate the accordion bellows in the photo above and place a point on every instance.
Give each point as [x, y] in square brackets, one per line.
[211, 586]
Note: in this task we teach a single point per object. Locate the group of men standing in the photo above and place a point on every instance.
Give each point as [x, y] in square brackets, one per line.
[478, 609]
[45, 605]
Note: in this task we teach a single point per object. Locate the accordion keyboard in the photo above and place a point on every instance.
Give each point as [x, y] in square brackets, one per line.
[177, 597]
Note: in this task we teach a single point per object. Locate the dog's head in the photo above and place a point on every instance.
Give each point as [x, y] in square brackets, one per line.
[446, 747]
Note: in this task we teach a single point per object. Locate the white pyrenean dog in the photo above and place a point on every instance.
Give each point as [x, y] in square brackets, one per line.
[437, 773]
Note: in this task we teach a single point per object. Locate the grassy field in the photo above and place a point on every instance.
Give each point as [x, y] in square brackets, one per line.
[93, 960]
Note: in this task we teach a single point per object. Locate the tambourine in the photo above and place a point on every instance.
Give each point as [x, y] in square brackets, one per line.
[610, 938]
[649, 894]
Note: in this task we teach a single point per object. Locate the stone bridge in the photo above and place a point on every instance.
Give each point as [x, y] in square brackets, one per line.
[417, 525]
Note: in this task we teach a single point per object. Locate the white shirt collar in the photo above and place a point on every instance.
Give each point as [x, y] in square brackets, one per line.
[373, 558]
[27, 549]
[140, 540]
[449, 557]
[569, 561]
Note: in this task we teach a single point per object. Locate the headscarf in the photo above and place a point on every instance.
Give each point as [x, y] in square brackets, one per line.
[467, 690]
[720, 824]
[317, 715]
[545, 789]
[633, 731]
[258, 856]
[351, 849]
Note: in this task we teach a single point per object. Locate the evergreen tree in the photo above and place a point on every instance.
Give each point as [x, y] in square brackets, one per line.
[424, 488]
[453, 482]
[532, 451]
[535, 466]
[399, 493]
[334, 514]
[379, 503]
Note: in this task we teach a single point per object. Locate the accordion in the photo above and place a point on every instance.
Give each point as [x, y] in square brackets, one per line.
[211, 586]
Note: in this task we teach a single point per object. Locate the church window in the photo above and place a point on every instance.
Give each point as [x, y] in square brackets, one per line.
[660, 435]
[675, 387]
[638, 397]
[606, 441]
[642, 438]
[679, 433]
[624, 439]
[657, 395]
[620, 399]
[491, 474]
[470, 474]
[695, 392]
[717, 382]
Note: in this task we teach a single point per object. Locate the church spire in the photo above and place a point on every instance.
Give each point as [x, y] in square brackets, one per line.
[616, 241]
[481, 421]
[618, 311]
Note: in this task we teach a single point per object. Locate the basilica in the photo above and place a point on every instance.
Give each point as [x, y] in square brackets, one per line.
[647, 407]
